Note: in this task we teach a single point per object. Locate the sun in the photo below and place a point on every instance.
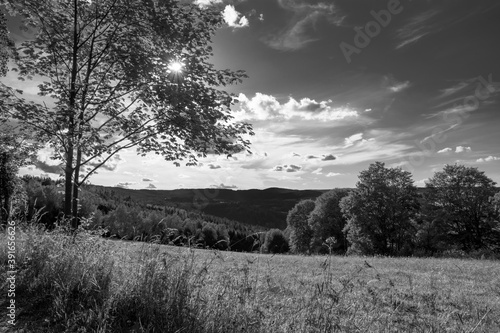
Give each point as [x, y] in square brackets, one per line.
[176, 66]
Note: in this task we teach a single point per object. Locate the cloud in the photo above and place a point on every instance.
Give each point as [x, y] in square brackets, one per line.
[213, 166]
[146, 180]
[292, 168]
[416, 28]
[317, 171]
[461, 149]
[452, 90]
[350, 141]
[224, 187]
[445, 150]
[305, 16]
[55, 169]
[206, 3]
[267, 107]
[310, 157]
[233, 18]
[287, 168]
[110, 164]
[400, 86]
[329, 157]
[488, 159]
[333, 174]
[151, 186]
[124, 184]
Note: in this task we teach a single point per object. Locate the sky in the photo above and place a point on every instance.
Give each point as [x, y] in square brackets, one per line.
[336, 85]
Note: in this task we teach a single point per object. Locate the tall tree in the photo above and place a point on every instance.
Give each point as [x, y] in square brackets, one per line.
[380, 210]
[327, 220]
[300, 231]
[119, 74]
[460, 198]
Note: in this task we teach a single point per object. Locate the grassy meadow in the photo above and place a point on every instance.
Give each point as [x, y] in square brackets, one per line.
[89, 284]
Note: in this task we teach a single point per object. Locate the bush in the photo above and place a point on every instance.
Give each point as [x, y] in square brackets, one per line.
[275, 242]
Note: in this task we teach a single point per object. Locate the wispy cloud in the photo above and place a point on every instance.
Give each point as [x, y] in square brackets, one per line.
[453, 89]
[416, 28]
[305, 15]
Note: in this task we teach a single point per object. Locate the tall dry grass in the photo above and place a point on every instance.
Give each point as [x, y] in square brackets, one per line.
[84, 283]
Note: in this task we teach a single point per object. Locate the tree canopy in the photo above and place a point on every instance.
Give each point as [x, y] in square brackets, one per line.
[380, 210]
[298, 224]
[117, 74]
[461, 199]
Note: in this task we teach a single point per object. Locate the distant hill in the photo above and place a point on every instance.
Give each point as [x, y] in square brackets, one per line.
[267, 208]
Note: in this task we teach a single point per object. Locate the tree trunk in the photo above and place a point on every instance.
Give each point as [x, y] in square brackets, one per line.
[68, 182]
[76, 185]
[68, 189]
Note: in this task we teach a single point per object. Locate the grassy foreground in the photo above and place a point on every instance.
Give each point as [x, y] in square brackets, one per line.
[88, 284]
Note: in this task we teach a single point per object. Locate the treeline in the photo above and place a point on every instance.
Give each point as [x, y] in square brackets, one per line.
[42, 199]
[457, 214]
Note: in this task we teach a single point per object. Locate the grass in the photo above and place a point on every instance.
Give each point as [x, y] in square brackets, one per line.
[94, 285]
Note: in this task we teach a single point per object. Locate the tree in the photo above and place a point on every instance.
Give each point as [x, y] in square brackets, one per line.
[119, 74]
[380, 211]
[275, 242]
[6, 45]
[16, 151]
[327, 220]
[300, 231]
[460, 199]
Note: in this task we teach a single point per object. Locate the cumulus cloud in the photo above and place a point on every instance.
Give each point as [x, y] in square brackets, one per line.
[310, 157]
[45, 167]
[151, 186]
[267, 107]
[146, 180]
[333, 174]
[488, 159]
[213, 166]
[461, 149]
[205, 3]
[445, 150]
[233, 18]
[287, 168]
[110, 164]
[329, 157]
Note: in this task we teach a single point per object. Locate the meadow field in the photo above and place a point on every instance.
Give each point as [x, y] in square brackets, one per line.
[89, 284]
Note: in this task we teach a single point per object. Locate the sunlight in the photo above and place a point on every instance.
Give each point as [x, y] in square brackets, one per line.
[176, 66]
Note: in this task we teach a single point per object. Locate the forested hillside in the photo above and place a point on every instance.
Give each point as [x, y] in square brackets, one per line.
[266, 208]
